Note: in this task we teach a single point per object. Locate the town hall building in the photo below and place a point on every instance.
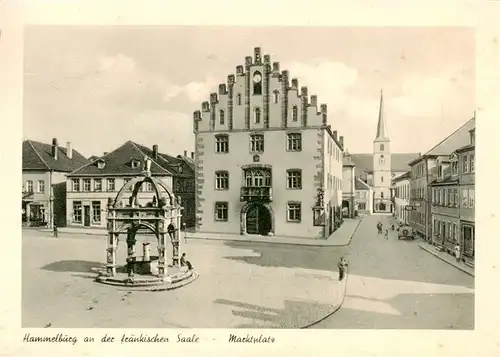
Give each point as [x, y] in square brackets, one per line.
[267, 162]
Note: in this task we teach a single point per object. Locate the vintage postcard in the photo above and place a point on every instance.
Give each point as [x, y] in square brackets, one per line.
[201, 186]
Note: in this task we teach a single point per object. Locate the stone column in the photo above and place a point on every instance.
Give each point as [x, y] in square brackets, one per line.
[111, 255]
[161, 255]
[146, 255]
[130, 252]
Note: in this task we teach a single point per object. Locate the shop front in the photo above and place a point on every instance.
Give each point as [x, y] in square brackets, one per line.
[468, 241]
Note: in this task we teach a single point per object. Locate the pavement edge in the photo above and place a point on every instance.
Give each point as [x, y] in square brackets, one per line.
[421, 246]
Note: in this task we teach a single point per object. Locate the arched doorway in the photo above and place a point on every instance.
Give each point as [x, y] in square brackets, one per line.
[381, 206]
[258, 219]
[346, 209]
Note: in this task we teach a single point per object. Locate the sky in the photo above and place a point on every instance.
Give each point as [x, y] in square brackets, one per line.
[99, 86]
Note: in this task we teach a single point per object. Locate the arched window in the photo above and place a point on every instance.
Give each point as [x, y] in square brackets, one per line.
[256, 115]
[258, 178]
[381, 160]
[294, 113]
[381, 147]
[276, 96]
[221, 117]
[238, 99]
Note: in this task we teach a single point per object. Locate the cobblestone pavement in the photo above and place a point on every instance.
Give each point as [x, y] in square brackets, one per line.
[395, 284]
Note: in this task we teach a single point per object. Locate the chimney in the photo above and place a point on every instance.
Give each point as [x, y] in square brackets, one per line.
[69, 150]
[54, 148]
[185, 153]
[192, 155]
[295, 83]
[341, 140]
[155, 152]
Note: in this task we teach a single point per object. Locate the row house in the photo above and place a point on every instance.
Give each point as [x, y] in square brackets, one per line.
[363, 197]
[453, 202]
[90, 186]
[267, 162]
[423, 171]
[401, 193]
[44, 169]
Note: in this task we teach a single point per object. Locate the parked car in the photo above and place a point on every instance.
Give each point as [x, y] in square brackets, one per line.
[405, 232]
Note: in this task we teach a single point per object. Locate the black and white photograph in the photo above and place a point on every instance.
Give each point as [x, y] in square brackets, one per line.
[248, 177]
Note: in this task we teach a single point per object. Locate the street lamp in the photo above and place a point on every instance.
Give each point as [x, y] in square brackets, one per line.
[51, 208]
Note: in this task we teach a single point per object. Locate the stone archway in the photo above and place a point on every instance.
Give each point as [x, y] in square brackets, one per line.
[346, 208]
[257, 218]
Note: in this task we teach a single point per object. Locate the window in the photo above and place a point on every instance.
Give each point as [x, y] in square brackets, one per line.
[381, 195]
[434, 195]
[221, 117]
[134, 164]
[40, 186]
[440, 171]
[472, 163]
[29, 186]
[294, 179]
[276, 96]
[86, 185]
[294, 113]
[221, 180]
[471, 198]
[465, 197]
[96, 211]
[445, 199]
[111, 184]
[381, 178]
[382, 148]
[436, 225]
[381, 160]
[75, 183]
[456, 200]
[77, 211]
[294, 142]
[450, 197]
[97, 185]
[256, 115]
[221, 211]
[238, 99]
[101, 164]
[257, 143]
[257, 83]
[454, 232]
[147, 187]
[258, 178]
[293, 212]
[222, 144]
[465, 165]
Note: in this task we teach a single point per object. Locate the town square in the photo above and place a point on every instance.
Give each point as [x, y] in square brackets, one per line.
[251, 187]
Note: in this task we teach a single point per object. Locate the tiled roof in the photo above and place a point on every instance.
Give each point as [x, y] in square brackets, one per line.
[399, 161]
[168, 162]
[360, 185]
[38, 156]
[118, 162]
[457, 139]
[404, 176]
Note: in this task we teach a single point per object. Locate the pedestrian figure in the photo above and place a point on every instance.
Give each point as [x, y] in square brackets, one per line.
[342, 268]
[457, 252]
[386, 236]
[185, 262]
[55, 231]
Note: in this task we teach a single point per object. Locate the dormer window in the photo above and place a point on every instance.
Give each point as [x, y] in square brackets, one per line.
[101, 164]
[135, 164]
[180, 169]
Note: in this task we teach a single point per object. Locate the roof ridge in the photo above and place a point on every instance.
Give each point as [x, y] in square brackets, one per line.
[92, 161]
[36, 152]
[446, 138]
[152, 159]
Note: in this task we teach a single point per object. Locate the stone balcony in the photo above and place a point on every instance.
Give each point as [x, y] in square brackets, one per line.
[256, 194]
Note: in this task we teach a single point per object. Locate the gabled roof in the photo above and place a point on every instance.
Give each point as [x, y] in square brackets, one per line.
[399, 161]
[168, 162]
[360, 185]
[457, 139]
[118, 162]
[405, 176]
[191, 163]
[38, 156]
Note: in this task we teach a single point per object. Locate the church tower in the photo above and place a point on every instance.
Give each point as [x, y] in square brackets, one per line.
[381, 165]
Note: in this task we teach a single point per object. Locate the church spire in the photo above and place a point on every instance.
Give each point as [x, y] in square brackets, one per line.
[381, 127]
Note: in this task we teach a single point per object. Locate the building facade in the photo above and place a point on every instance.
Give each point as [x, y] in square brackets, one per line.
[90, 186]
[401, 189]
[445, 209]
[44, 181]
[467, 180]
[267, 162]
[363, 197]
[424, 170]
[348, 187]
